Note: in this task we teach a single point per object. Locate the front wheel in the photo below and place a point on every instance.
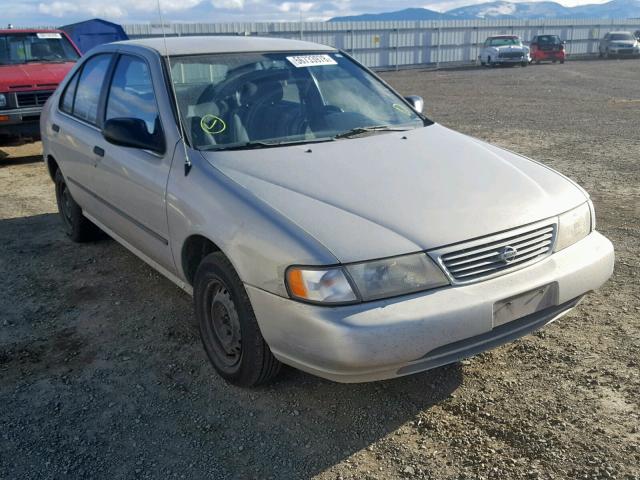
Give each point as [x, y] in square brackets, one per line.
[76, 225]
[228, 326]
[524, 64]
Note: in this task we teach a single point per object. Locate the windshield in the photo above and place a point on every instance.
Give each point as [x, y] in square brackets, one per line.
[17, 48]
[231, 100]
[621, 36]
[502, 41]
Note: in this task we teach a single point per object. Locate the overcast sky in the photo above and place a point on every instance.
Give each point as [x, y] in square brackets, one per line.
[60, 12]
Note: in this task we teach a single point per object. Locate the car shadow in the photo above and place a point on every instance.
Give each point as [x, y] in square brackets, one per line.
[119, 330]
[8, 158]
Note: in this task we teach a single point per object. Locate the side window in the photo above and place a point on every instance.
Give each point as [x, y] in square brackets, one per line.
[89, 87]
[66, 104]
[131, 93]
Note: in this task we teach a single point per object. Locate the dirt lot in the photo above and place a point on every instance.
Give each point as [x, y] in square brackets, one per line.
[102, 374]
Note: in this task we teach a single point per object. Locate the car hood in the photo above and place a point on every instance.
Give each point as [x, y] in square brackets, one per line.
[33, 75]
[400, 192]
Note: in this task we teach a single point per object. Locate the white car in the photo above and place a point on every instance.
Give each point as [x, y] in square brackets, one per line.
[504, 50]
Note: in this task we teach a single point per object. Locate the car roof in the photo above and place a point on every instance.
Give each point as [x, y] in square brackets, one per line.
[29, 30]
[201, 45]
[620, 31]
[504, 36]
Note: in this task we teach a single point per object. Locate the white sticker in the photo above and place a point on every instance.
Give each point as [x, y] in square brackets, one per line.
[49, 35]
[311, 60]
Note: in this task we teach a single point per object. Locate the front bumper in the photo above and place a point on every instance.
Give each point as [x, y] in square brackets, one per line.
[399, 336]
[20, 121]
[512, 60]
[624, 51]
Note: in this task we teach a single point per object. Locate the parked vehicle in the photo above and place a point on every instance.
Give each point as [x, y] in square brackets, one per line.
[547, 47]
[619, 44]
[32, 64]
[317, 217]
[637, 35]
[504, 50]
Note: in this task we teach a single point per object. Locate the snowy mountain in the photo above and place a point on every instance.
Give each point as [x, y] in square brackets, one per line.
[505, 9]
[406, 14]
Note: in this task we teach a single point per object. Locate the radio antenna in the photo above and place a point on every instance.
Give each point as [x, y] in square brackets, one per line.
[187, 160]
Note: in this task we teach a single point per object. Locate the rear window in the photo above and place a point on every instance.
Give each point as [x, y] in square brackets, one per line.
[548, 39]
[40, 47]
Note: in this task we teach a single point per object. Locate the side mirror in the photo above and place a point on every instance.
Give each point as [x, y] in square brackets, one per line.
[132, 132]
[416, 102]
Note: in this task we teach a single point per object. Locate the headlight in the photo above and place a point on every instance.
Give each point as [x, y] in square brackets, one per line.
[365, 281]
[396, 276]
[573, 226]
[314, 285]
[3, 100]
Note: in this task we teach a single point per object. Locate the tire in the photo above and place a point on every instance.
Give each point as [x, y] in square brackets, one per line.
[607, 54]
[524, 64]
[228, 327]
[489, 62]
[561, 62]
[77, 227]
[537, 62]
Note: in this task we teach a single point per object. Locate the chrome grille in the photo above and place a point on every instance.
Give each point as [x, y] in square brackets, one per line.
[32, 99]
[495, 255]
[510, 54]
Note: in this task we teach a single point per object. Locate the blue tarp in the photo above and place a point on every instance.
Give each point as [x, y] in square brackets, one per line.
[90, 33]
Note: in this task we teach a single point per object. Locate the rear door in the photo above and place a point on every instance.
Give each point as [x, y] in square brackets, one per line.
[133, 181]
[76, 129]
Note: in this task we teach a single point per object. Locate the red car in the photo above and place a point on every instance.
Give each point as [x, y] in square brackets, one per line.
[547, 47]
[32, 64]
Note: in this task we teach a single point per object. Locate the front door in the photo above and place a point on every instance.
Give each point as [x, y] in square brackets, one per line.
[133, 181]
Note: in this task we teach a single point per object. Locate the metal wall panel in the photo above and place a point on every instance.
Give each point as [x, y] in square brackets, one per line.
[406, 43]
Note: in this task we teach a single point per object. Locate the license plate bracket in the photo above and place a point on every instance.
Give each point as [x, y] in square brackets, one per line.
[523, 304]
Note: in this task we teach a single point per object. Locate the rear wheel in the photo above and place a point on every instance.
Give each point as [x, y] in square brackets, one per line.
[228, 327]
[76, 225]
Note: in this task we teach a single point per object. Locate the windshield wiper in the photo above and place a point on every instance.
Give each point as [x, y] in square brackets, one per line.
[259, 144]
[376, 128]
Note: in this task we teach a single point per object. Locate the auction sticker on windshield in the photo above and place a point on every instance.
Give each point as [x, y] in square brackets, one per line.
[311, 60]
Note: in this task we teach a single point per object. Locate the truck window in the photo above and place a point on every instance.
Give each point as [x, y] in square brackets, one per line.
[40, 47]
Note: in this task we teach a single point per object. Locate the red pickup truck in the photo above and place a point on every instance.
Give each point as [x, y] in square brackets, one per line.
[32, 64]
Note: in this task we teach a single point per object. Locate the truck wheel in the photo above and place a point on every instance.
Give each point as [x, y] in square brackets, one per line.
[228, 327]
[78, 227]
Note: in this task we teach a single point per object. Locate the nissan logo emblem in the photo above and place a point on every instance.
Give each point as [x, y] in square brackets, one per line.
[508, 254]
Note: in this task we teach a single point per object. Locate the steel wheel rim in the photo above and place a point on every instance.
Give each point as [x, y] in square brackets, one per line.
[223, 325]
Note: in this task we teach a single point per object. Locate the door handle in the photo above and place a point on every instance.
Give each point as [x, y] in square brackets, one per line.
[98, 151]
[55, 127]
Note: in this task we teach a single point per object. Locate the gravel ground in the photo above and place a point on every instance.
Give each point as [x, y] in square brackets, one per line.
[102, 374]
